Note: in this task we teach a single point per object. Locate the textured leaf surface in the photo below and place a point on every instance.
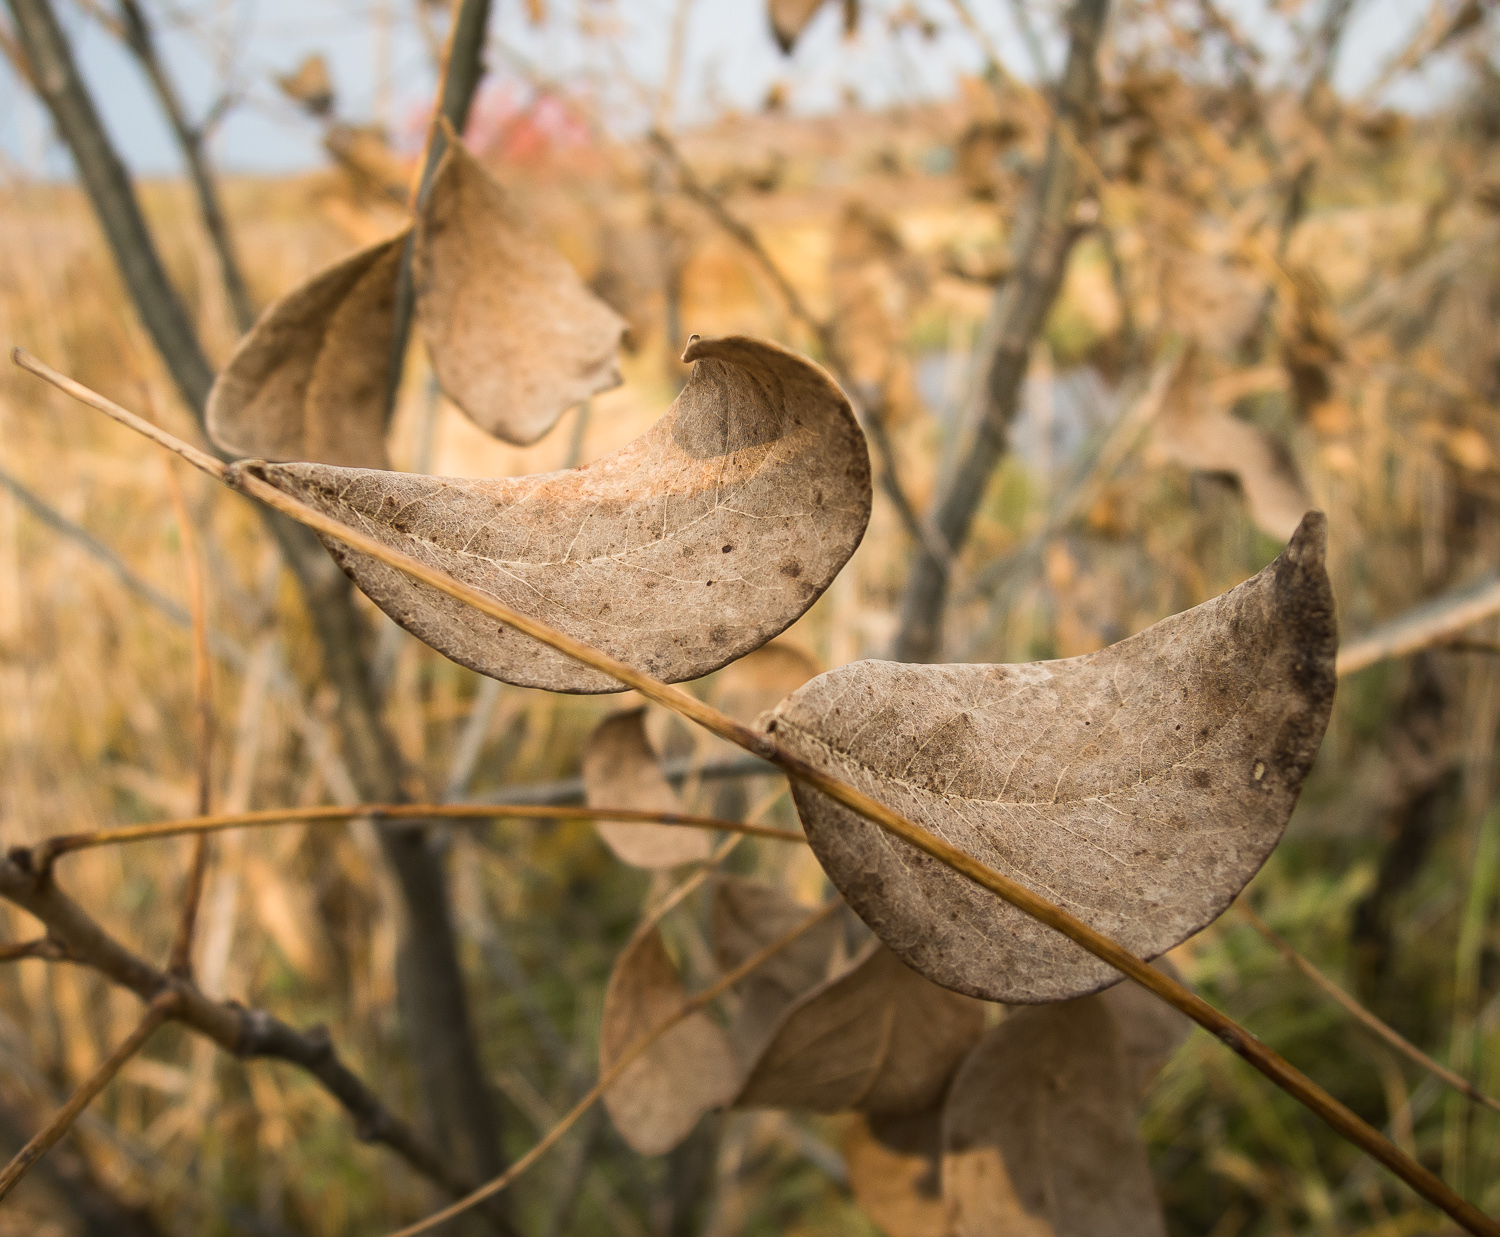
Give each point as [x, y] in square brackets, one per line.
[1039, 1136]
[309, 380]
[895, 1173]
[661, 1095]
[1139, 787]
[687, 548]
[515, 336]
[620, 769]
[879, 1038]
[747, 916]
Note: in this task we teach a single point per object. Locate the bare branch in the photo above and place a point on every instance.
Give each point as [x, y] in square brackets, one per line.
[244, 1032]
[1043, 241]
[43, 947]
[109, 186]
[1388, 1033]
[1338, 1116]
[1428, 624]
[156, 1013]
[135, 31]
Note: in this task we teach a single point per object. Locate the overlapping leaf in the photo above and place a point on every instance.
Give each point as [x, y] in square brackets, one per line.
[309, 382]
[747, 916]
[878, 1038]
[515, 336]
[682, 551]
[620, 769]
[661, 1095]
[1139, 787]
[1039, 1136]
[895, 1172]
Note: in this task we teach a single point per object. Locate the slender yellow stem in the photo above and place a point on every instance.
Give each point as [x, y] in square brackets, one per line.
[1342, 1119]
[42, 1142]
[44, 852]
[689, 1007]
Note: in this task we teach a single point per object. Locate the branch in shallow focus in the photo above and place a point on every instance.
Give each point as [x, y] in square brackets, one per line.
[135, 31]
[1428, 624]
[110, 189]
[159, 1010]
[246, 1033]
[1042, 243]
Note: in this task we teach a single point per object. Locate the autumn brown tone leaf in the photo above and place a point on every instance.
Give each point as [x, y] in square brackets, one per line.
[789, 18]
[658, 1099]
[748, 915]
[515, 336]
[1039, 1136]
[895, 1172]
[687, 548]
[308, 382]
[748, 687]
[1140, 786]
[878, 1038]
[620, 770]
[1150, 1030]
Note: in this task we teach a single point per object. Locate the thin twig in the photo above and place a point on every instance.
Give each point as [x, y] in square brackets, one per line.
[1426, 625]
[689, 1007]
[1338, 1116]
[247, 1033]
[44, 853]
[192, 568]
[1391, 1036]
[156, 1013]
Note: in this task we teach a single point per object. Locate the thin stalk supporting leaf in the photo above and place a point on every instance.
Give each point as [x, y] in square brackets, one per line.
[1344, 1121]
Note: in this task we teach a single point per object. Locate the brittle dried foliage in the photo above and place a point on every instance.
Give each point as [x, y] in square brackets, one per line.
[1391, 433]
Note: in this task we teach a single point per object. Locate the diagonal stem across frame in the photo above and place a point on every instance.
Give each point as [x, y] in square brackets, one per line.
[243, 477]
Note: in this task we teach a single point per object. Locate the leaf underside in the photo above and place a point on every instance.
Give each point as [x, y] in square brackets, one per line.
[1139, 787]
[687, 548]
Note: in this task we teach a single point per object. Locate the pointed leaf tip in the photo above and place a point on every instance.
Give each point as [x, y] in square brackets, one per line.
[1139, 787]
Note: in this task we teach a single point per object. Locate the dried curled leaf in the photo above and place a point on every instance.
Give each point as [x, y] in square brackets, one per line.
[685, 549]
[747, 916]
[1039, 1136]
[878, 1038]
[1139, 787]
[661, 1095]
[620, 769]
[895, 1172]
[516, 337]
[309, 380]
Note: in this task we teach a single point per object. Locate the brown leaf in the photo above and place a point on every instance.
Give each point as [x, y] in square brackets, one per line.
[660, 1096]
[1039, 1136]
[895, 1172]
[1150, 1030]
[1138, 787]
[309, 380]
[747, 916]
[516, 337]
[748, 687]
[682, 551]
[878, 1038]
[620, 769]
